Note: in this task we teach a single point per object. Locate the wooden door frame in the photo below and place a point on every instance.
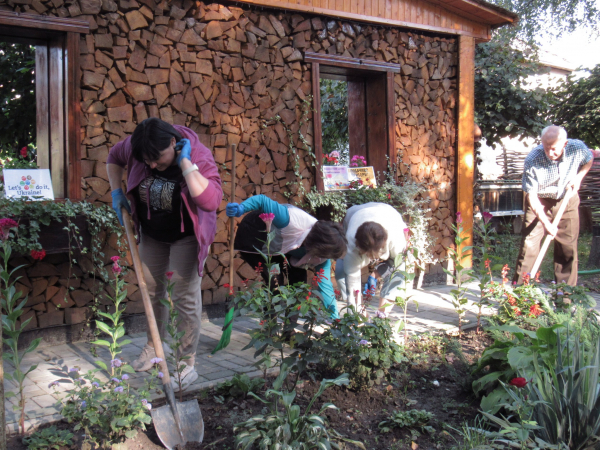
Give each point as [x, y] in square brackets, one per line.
[59, 79]
[340, 67]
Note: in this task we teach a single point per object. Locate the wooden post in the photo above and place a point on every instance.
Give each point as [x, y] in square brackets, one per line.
[317, 131]
[465, 160]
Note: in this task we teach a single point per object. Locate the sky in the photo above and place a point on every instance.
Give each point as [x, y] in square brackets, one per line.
[577, 48]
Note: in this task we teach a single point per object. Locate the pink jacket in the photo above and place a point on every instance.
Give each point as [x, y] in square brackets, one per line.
[202, 208]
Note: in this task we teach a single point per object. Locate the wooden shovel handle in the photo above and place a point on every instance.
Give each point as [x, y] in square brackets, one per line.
[139, 271]
[232, 219]
[538, 261]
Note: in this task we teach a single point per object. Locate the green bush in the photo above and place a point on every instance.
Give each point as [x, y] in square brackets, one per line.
[48, 438]
[239, 385]
[559, 407]
[413, 419]
[288, 428]
[365, 350]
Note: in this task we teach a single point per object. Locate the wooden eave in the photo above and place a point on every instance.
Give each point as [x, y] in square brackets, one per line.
[37, 26]
[475, 18]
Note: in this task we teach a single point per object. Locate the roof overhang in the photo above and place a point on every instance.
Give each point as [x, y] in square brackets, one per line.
[479, 11]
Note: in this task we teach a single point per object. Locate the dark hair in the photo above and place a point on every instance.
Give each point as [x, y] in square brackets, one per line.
[151, 137]
[326, 240]
[370, 238]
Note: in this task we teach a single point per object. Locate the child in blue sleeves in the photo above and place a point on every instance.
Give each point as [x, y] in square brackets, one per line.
[305, 241]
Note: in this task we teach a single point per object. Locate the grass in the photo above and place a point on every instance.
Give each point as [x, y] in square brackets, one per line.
[507, 249]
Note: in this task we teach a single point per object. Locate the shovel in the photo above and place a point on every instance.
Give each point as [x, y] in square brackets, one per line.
[548, 238]
[175, 423]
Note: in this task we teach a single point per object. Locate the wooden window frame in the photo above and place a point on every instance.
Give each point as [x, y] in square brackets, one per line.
[57, 92]
[341, 67]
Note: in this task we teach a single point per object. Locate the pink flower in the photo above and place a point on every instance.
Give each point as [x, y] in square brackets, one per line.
[39, 255]
[116, 269]
[169, 275]
[5, 226]
[458, 218]
[24, 152]
[268, 219]
[487, 216]
[335, 154]
[115, 259]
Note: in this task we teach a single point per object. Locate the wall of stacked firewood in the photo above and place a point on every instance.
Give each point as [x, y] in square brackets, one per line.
[227, 72]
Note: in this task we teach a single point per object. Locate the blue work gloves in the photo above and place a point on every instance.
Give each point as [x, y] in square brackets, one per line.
[119, 202]
[370, 285]
[234, 210]
[185, 150]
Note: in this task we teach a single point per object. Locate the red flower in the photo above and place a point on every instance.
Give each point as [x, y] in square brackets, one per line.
[38, 254]
[487, 216]
[5, 226]
[518, 382]
[115, 259]
[389, 196]
[536, 310]
[298, 307]
[517, 311]
[511, 300]
[487, 263]
[459, 218]
[24, 152]
[226, 285]
[169, 275]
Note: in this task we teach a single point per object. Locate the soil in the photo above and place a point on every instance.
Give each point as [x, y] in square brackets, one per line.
[411, 386]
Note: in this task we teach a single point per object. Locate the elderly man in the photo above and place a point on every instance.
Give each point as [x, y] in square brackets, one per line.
[550, 169]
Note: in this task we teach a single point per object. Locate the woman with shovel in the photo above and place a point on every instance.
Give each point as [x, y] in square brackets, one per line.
[305, 241]
[173, 192]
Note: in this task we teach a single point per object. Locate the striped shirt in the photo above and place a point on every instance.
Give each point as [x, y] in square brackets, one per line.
[549, 179]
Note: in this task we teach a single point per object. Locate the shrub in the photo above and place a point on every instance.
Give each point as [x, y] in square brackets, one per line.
[364, 350]
[48, 438]
[560, 406]
[240, 385]
[413, 419]
[288, 428]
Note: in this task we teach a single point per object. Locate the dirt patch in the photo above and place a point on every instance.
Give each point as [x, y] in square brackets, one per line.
[411, 386]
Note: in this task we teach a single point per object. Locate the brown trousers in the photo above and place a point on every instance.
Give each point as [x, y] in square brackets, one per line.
[565, 243]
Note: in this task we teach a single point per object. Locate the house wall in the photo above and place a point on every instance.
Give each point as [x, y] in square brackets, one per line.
[226, 72]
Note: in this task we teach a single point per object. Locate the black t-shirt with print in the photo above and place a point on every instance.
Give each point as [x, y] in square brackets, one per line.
[161, 191]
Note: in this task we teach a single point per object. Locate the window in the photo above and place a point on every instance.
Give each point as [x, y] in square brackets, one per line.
[371, 100]
[57, 77]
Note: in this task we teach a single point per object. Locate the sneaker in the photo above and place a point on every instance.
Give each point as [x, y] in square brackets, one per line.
[188, 376]
[143, 363]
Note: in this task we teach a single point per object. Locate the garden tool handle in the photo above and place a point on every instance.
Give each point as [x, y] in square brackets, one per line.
[152, 325]
[232, 219]
[547, 239]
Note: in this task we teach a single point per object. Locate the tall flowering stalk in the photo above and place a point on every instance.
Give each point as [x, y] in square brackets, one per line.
[461, 275]
[106, 411]
[486, 232]
[175, 334]
[12, 327]
[115, 329]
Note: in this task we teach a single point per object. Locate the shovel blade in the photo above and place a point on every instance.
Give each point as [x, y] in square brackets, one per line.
[192, 425]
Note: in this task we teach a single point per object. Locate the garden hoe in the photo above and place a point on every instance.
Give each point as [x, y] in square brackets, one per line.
[175, 423]
[548, 238]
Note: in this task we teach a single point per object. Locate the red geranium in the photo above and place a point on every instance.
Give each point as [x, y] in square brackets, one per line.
[24, 152]
[518, 382]
[38, 254]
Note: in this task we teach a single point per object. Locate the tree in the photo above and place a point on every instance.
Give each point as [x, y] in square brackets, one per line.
[506, 105]
[17, 97]
[334, 116]
[577, 107]
[551, 17]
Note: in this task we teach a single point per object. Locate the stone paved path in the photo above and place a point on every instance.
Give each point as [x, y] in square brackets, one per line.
[435, 315]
